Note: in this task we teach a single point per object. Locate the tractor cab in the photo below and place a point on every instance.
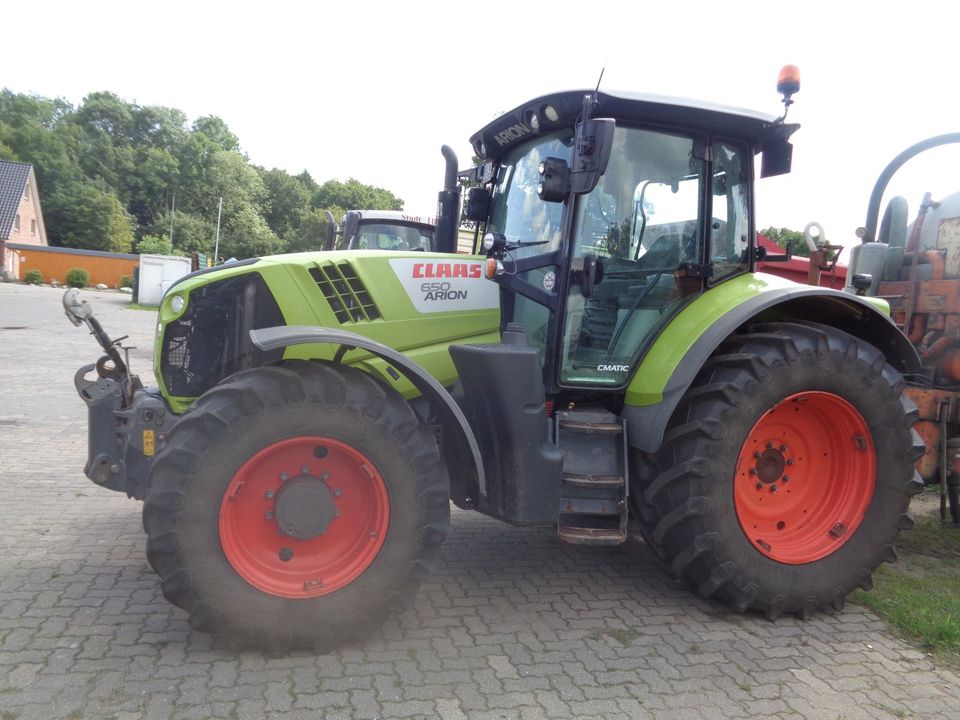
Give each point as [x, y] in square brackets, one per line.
[387, 230]
[607, 213]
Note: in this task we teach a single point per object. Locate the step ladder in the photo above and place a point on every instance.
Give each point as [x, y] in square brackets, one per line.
[593, 496]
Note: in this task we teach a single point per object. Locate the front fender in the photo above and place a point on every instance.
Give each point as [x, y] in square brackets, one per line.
[677, 355]
[440, 400]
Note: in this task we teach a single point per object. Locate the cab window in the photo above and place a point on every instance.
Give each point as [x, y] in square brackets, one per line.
[642, 222]
[730, 217]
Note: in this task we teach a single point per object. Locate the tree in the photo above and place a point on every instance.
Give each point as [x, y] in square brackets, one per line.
[191, 233]
[154, 245]
[109, 170]
[90, 217]
[312, 230]
[288, 199]
[216, 131]
[245, 234]
[788, 239]
[354, 195]
[106, 126]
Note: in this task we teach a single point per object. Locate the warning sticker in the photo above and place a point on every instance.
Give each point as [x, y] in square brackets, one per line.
[149, 444]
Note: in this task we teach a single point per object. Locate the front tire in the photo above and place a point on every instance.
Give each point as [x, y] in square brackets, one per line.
[296, 505]
[786, 471]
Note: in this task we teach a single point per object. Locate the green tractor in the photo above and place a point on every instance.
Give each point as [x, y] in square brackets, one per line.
[614, 362]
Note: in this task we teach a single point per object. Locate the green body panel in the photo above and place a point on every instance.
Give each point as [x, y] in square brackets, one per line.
[668, 350]
[424, 337]
[879, 303]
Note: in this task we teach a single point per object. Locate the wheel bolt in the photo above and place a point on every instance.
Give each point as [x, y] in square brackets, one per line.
[789, 461]
[283, 477]
[773, 488]
[325, 475]
[337, 492]
[769, 446]
[336, 513]
[756, 455]
[268, 515]
[753, 471]
[783, 448]
[785, 478]
[759, 486]
[286, 554]
[304, 469]
[269, 494]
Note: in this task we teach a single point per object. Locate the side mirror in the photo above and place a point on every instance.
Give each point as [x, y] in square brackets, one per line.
[349, 227]
[329, 231]
[776, 157]
[594, 140]
[478, 204]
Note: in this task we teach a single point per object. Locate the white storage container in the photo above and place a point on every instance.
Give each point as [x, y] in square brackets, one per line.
[157, 274]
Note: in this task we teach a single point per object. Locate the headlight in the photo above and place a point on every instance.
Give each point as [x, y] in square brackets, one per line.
[177, 303]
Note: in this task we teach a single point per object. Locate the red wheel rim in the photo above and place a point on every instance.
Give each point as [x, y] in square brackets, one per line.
[304, 482]
[805, 477]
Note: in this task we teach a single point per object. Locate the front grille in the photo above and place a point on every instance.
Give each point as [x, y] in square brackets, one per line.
[345, 292]
[211, 340]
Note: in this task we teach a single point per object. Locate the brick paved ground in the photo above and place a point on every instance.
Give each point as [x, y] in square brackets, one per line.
[513, 625]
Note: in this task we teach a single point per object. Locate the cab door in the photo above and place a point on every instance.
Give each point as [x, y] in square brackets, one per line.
[641, 227]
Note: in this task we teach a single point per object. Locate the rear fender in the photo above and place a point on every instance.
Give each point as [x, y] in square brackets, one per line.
[676, 357]
[440, 400]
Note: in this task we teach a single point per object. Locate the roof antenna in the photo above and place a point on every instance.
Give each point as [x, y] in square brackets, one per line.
[590, 100]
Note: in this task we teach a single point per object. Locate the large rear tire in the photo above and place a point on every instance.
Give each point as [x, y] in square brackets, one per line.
[786, 471]
[296, 506]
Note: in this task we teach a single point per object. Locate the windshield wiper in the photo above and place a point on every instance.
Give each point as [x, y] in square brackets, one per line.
[514, 246]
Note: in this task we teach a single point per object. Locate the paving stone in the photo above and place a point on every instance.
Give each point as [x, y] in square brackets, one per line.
[513, 624]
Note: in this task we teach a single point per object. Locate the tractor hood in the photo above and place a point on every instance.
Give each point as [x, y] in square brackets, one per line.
[418, 303]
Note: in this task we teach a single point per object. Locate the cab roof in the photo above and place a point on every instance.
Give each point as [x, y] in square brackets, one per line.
[395, 216]
[514, 126]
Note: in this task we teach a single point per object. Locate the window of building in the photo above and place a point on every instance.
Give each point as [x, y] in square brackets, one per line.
[26, 191]
[33, 227]
[16, 223]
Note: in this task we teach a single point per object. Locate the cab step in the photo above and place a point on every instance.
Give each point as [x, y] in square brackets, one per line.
[594, 491]
[591, 428]
[593, 481]
[592, 536]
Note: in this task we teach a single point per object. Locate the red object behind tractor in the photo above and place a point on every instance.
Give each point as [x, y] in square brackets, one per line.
[810, 270]
[916, 268]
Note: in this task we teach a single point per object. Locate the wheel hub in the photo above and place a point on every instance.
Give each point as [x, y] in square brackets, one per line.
[304, 516]
[770, 465]
[305, 507]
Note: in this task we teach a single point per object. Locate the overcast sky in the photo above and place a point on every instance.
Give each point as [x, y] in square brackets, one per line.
[372, 89]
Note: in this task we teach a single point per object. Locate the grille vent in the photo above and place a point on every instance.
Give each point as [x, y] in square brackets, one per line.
[346, 293]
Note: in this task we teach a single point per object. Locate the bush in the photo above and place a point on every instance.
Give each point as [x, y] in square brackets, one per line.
[77, 277]
[154, 245]
[126, 281]
[33, 277]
